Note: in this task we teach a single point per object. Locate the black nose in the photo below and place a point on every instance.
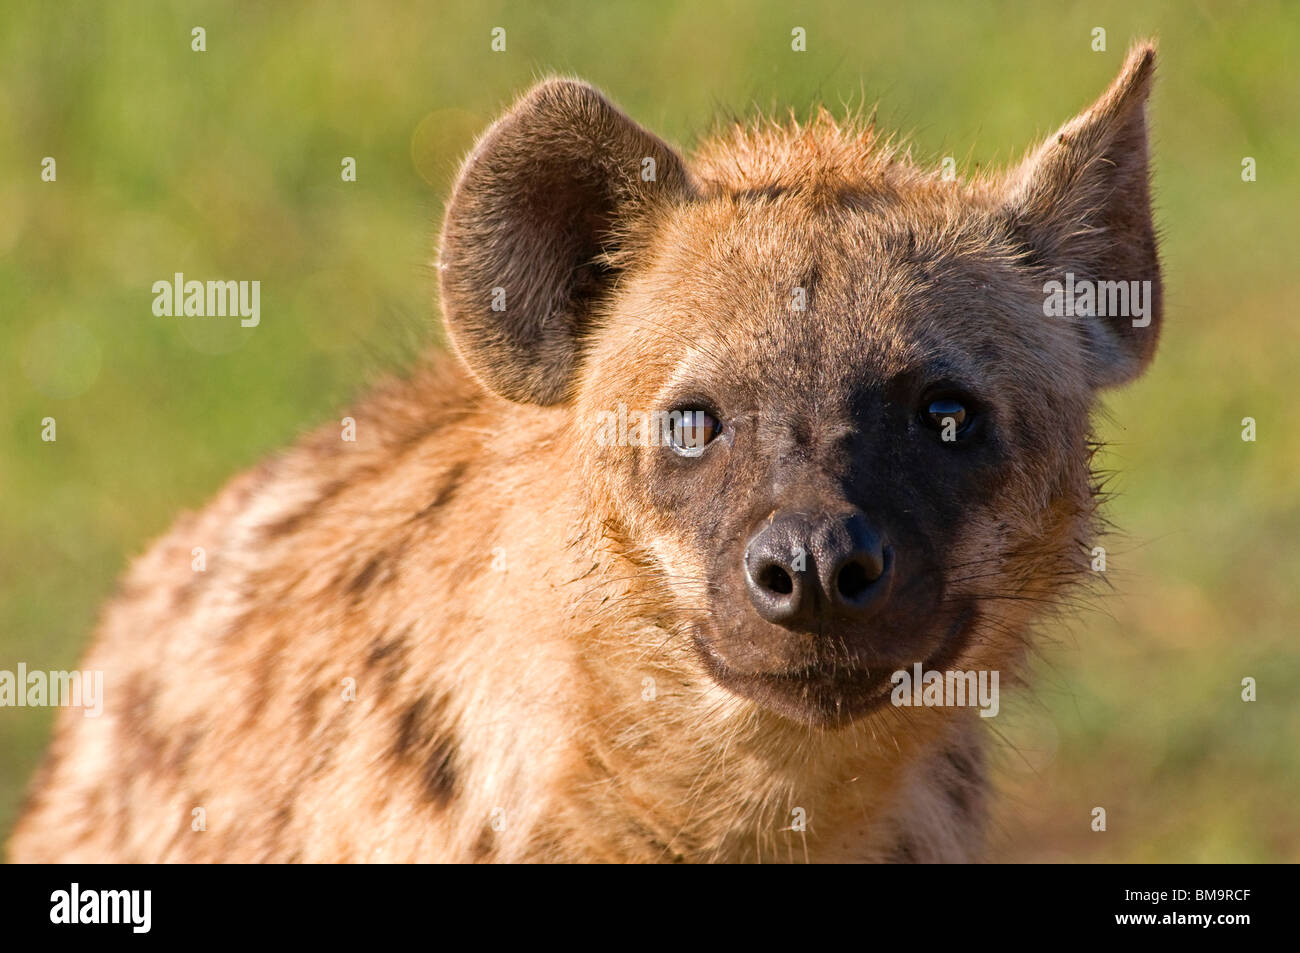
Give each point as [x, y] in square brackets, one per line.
[802, 569]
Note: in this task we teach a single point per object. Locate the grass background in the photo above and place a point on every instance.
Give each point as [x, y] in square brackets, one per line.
[226, 164]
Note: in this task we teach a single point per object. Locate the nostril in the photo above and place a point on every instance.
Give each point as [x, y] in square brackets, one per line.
[852, 581]
[857, 571]
[773, 578]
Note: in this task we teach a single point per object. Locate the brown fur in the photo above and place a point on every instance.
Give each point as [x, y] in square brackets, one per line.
[504, 714]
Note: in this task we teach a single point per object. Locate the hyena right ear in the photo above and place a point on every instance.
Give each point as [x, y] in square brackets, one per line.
[546, 196]
[1081, 206]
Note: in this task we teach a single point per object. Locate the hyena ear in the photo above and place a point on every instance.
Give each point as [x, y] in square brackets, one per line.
[543, 205]
[1081, 205]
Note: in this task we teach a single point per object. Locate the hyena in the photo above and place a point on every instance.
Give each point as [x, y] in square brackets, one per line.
[495, 628]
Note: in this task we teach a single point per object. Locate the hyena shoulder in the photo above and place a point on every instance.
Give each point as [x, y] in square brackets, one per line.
[257, 646]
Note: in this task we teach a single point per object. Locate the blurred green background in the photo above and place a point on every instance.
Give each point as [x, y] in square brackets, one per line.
[225, 164]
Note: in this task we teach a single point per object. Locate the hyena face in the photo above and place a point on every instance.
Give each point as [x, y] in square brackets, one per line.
[863, 421]
[815, 392]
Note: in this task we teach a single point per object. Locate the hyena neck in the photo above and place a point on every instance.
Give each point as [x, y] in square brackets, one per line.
[695, 774]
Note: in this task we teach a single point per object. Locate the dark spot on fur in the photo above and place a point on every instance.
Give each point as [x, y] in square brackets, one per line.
[293, 521]
[137, 730]
[965, 782]
[282, 818]
[179, 757]
[183, 596]
[389, 656]
[380, 649]
[484, 846]
[380, 564]
[425, 741]
[666, 853]
[129, 591]
[908, 247]
[266, 665]
[309, 710]
[445, 492]
[904, 852]
[959, 795]
[961, 763]
[408, 728]
[138, 703]
[763, 193]
[439, 776]
[362, 580]
[141, 752]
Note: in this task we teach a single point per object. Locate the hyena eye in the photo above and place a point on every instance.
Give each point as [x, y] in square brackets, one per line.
[690, 431]
[951, 416]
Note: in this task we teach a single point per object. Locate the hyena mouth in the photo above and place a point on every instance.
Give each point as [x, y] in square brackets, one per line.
[834, 693]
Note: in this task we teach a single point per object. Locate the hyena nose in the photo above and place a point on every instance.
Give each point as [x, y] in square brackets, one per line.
[801, 569]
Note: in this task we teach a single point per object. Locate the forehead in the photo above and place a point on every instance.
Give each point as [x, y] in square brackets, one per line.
[852, 290]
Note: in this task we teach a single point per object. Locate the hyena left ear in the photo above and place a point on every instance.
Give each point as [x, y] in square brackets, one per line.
[546, 204]
[1081, 206]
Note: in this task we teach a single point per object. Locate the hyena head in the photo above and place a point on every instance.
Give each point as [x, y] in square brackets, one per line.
[811, 389]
